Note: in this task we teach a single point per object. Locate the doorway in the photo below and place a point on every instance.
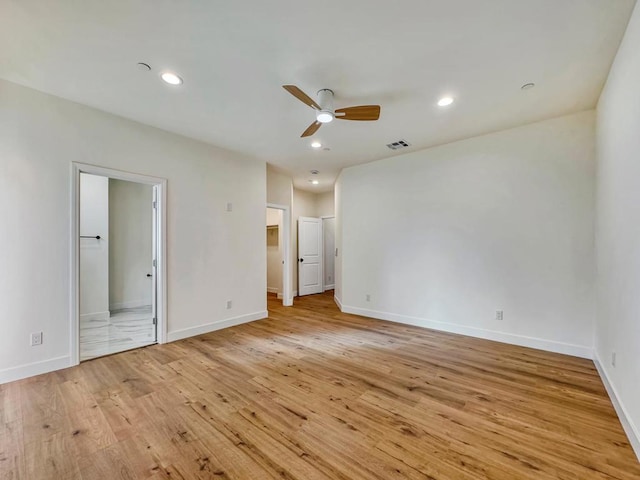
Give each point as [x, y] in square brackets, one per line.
[118, 242]
[278, 241]
[329, 250]
[316, 254]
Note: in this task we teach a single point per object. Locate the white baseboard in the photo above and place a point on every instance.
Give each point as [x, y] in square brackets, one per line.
[280, 296]
[633, 434]
[521, 340]
[35, 368]
[213, 326]
[272, 289]
[295, 293]
[95, 316]
[338, 303]
[131, 304]
[329, 287]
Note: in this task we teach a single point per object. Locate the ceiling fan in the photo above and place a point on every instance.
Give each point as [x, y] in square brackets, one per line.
[325, 112]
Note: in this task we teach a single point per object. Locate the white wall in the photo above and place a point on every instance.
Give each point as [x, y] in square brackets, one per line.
[213, 255]
[446, 236]
[325, 204]
[279, 187]
[618, 230]
[94, 254]
[130, 244]
[274, 250]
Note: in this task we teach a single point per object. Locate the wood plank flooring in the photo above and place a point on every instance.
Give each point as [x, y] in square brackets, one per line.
[311, 393]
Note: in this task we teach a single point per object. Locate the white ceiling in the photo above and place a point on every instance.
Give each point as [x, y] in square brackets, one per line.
[235, 55]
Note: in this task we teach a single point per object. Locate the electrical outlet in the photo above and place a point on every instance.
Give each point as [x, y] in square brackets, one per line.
[613, 359]
[368, 297]
[229, 304]
[36, 339]
[500, 315]
[229, 207]
[329, 277]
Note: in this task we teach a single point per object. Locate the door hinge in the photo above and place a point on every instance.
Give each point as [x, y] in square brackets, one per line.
[155, 321]
[154, 262]
[155, 204]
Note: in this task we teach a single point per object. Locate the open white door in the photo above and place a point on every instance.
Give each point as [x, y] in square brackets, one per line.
[154, 262]
[310, 256]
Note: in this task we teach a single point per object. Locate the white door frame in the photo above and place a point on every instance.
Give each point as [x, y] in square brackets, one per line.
[323, 218]
[287, 297]
[161, 261]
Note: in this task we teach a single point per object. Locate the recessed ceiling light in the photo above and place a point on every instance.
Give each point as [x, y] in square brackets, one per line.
[171, 78]
[145, 67]
[528, 86]
[444, 101]
[315, 182]
[316, 144]
[314, 172]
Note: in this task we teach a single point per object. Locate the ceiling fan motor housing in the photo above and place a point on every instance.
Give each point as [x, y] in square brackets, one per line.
[325, 100]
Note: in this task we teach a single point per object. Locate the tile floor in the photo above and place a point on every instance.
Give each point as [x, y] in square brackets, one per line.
[125, 329]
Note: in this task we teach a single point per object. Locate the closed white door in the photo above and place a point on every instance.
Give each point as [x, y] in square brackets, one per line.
[310, 256]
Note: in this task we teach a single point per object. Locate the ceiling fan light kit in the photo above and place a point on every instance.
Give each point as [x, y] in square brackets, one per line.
[325, 112]
[325, 100]
[324, 116]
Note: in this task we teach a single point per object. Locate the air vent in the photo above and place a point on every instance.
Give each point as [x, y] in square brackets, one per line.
[398, 145]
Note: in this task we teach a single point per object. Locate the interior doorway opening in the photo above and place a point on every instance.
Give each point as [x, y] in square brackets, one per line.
[329, 250]
[278, 241]
[118, 262]
[316, 254]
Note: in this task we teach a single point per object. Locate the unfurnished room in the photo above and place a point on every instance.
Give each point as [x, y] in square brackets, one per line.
[351, 240]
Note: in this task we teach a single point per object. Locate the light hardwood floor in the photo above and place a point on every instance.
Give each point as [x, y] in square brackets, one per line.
[312, 393]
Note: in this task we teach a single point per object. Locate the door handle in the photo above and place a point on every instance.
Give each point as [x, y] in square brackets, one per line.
[302, 260]
[149, 275]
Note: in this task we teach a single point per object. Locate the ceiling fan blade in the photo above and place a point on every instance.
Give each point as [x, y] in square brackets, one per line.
[363, 113]
[313, 128]
[300, 95]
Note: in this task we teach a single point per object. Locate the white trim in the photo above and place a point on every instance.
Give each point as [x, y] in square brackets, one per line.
[88, 317]
[294, 293]
[633, 434]
[524, 341]
[338, 302]
[280, 296]
[287, 272]
[36, 368]
[329, 287]
[161, 184]
[272, 290]
[217, 325]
